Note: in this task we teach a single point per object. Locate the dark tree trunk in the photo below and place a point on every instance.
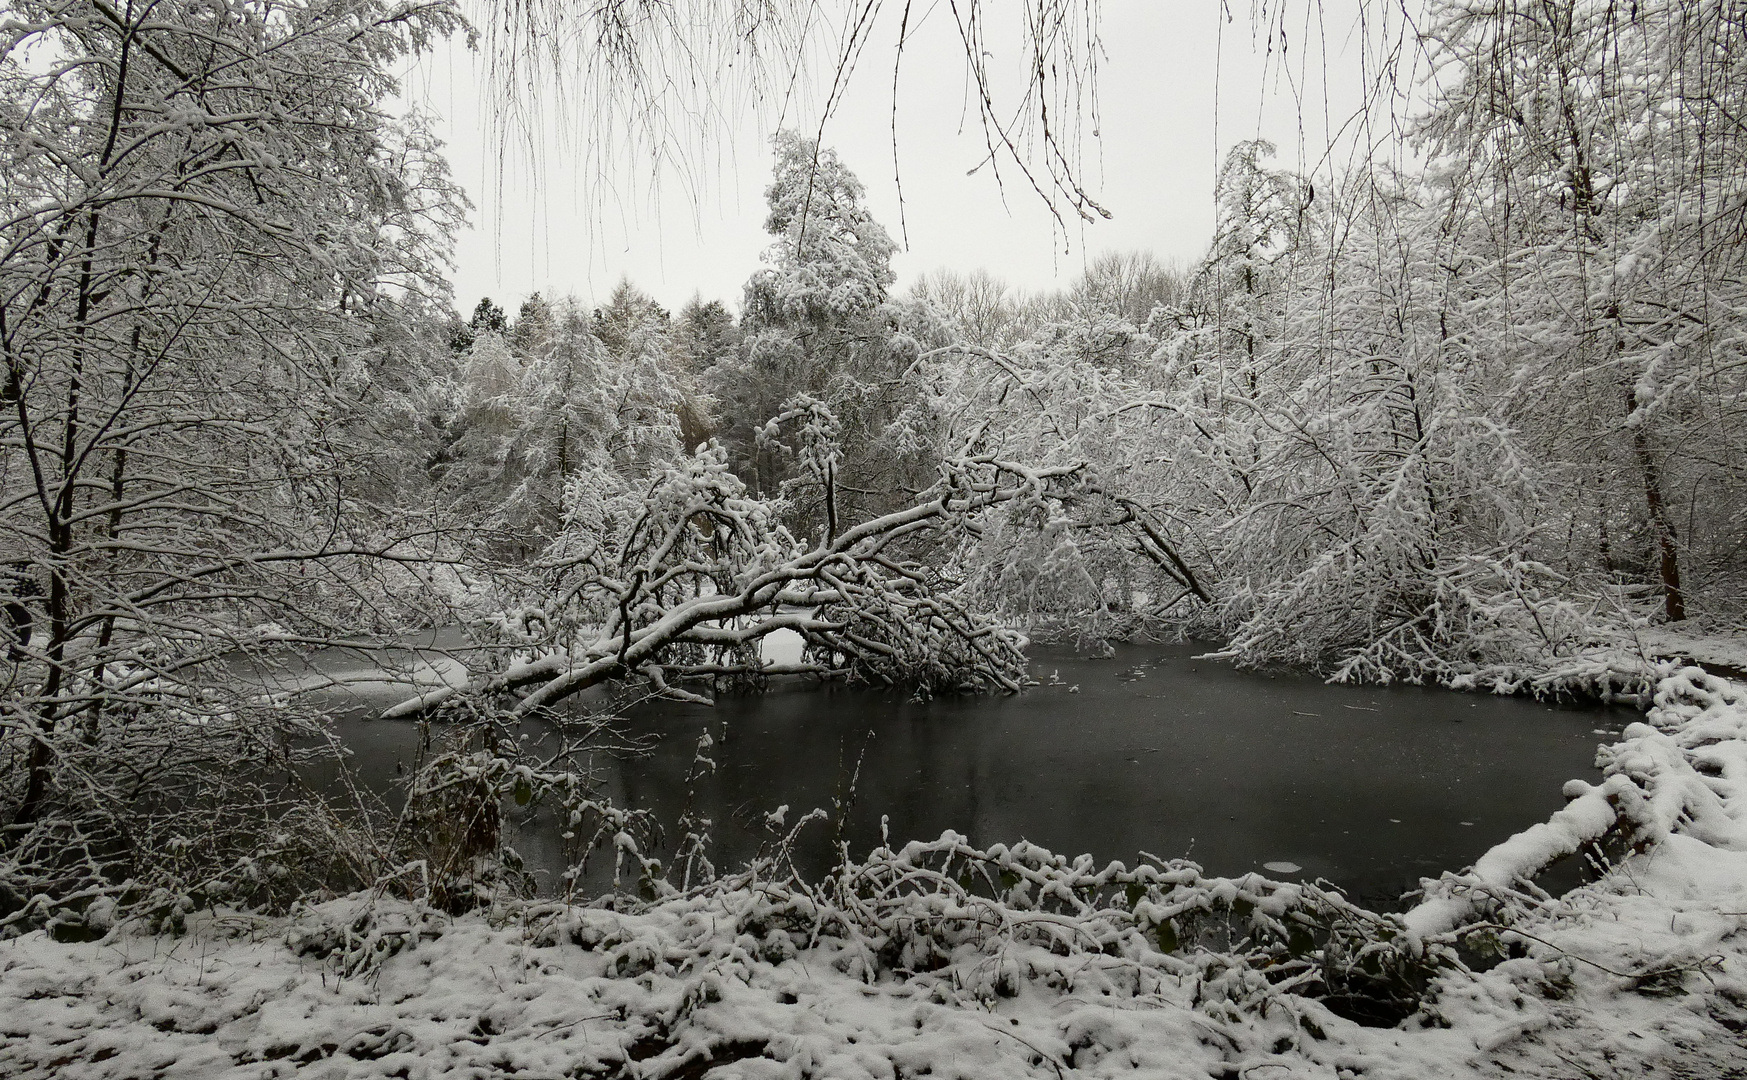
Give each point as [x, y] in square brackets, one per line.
[1674, 600]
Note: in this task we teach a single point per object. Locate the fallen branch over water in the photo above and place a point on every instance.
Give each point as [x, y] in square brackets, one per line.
[1652, 786]
[703, 573]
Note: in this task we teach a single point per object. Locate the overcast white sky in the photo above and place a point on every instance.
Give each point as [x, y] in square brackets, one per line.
[1175, 94]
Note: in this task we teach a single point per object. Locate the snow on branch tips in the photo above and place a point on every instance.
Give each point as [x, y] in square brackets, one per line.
[682, 592]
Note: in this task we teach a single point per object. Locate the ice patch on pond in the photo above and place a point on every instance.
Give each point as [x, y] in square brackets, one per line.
[1281, 867]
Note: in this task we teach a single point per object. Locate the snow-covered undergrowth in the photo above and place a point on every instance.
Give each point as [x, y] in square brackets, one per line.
[940, 959]
[1501, 626]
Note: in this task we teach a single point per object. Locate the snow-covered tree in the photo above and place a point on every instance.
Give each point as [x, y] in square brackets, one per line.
[831, 265]
[1592, 159]
[552, 402]
[1240, 291]
[816, 322]
[638, 332]
[215, 250]
[705, 332]
[976, 308]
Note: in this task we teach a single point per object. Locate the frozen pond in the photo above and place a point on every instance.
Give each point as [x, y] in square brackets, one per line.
[1148, 750]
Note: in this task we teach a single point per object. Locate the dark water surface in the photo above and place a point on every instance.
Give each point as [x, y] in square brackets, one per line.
[1149, 750]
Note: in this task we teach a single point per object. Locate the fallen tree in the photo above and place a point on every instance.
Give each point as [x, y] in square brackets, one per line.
[680, 591]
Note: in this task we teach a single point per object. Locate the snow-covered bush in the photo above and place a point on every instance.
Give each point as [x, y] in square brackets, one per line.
[158, 810]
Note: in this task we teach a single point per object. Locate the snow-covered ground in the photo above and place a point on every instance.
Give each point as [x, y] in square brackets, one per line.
[900, 975]
[1717, 650]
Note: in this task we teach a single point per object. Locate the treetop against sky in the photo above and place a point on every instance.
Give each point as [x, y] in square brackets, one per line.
[1177, 85]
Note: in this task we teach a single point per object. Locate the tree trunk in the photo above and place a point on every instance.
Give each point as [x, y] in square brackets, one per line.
[830, 501]
[1674, 601]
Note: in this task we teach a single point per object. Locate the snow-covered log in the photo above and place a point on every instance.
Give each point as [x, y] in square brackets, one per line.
[1506, 866]
[1673, 775]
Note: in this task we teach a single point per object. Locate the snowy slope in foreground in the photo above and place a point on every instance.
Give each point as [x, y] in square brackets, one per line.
[1643, 974]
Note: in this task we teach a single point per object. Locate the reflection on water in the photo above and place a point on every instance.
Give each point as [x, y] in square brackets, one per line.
[1149, 750]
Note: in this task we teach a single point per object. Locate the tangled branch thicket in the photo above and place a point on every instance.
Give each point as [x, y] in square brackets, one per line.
[680, 582]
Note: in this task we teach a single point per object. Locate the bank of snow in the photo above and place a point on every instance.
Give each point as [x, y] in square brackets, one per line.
[1722, 651]
[905, 967]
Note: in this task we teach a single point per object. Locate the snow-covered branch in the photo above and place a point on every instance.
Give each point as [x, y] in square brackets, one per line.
[704, 572]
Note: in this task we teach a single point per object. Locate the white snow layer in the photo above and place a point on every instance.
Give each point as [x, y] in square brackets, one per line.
[1641, 974]
[1726, 650]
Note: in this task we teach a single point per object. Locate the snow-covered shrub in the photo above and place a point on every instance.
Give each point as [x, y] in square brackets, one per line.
[164, 809]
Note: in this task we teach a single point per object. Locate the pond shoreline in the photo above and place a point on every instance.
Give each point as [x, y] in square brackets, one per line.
[1641, 973]
[1150, 749]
